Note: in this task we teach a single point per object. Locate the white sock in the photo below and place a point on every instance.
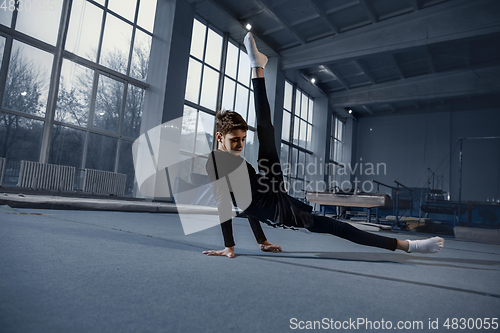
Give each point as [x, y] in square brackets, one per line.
[257, 59]
[429, 245]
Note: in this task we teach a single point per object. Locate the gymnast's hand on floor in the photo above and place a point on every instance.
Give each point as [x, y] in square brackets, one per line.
[227, 252]
[268, 247]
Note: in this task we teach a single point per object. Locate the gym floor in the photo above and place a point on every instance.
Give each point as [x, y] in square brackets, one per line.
[97, 271]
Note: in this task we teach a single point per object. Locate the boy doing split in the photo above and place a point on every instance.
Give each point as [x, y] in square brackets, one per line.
[235, 181]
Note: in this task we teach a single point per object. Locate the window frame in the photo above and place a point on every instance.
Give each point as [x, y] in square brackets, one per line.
[60, 55]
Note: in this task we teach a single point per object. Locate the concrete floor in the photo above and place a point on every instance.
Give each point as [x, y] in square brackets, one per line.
[85, 271]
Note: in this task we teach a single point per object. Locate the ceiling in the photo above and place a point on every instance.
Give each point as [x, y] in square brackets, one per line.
[376, 57]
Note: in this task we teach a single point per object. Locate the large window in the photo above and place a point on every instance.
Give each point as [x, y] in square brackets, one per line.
[296, 139]
[336, 173]
[218, 78]
[103, 68]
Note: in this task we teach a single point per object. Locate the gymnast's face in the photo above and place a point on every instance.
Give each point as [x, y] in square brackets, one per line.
[232, 142]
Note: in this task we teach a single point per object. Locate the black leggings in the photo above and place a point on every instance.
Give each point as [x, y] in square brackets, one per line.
[268, 154]
[344, 230]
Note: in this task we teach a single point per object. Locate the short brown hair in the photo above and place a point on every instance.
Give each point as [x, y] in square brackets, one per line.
[228, 121]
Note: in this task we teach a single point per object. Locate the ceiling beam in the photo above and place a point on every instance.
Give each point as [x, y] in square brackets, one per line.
[342, 7]
[392, 108]
[365, 71]
[369, 10]
[343, 113]
[439, 86]
[334, 73]
[430, 59]
[267, 7]
[467, 54]
[396, 66]
[368, 109]
[453, 20]
[308, 78]
[321, 12]
[273, 30]
[484, 103]
[251, 14]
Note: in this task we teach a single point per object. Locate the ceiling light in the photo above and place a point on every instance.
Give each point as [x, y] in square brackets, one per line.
[350, 111]
[248, 26]
[24, 93]
[313, 80]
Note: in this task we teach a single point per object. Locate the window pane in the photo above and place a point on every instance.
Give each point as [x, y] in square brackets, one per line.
[116, 44]
[251, 149]
[41, 24]
[193, 81]
[209, 88]
[198, 39]
[332, 150]
[199, 165]
[284, 159]
[125, 8]
[228, 94]
[297, 102]
[293, 162]
[296, 127]
[334, 126]
[303, 109]
[244, 69]
[126, 165]
[330, 156]
[108, 104]
[338, 152]
[184, 171]
[309, 137]
[303, 136]
[308, 159]
[241, 100]
[204, 133]
[299, 189]
[188, 129]
[301, 166]
[84, 29]
[21, 138]
[75, 90]
[140, 55]
[5, 17]
[101, 153]
[27, 84]
[288, 96]
[285, 129]
[147, 13]
[214, 49]
[251, 111]
[2, 48]
[67, 146]
[231, 60]
[291, 190]
[310, 114]
[133, 112]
